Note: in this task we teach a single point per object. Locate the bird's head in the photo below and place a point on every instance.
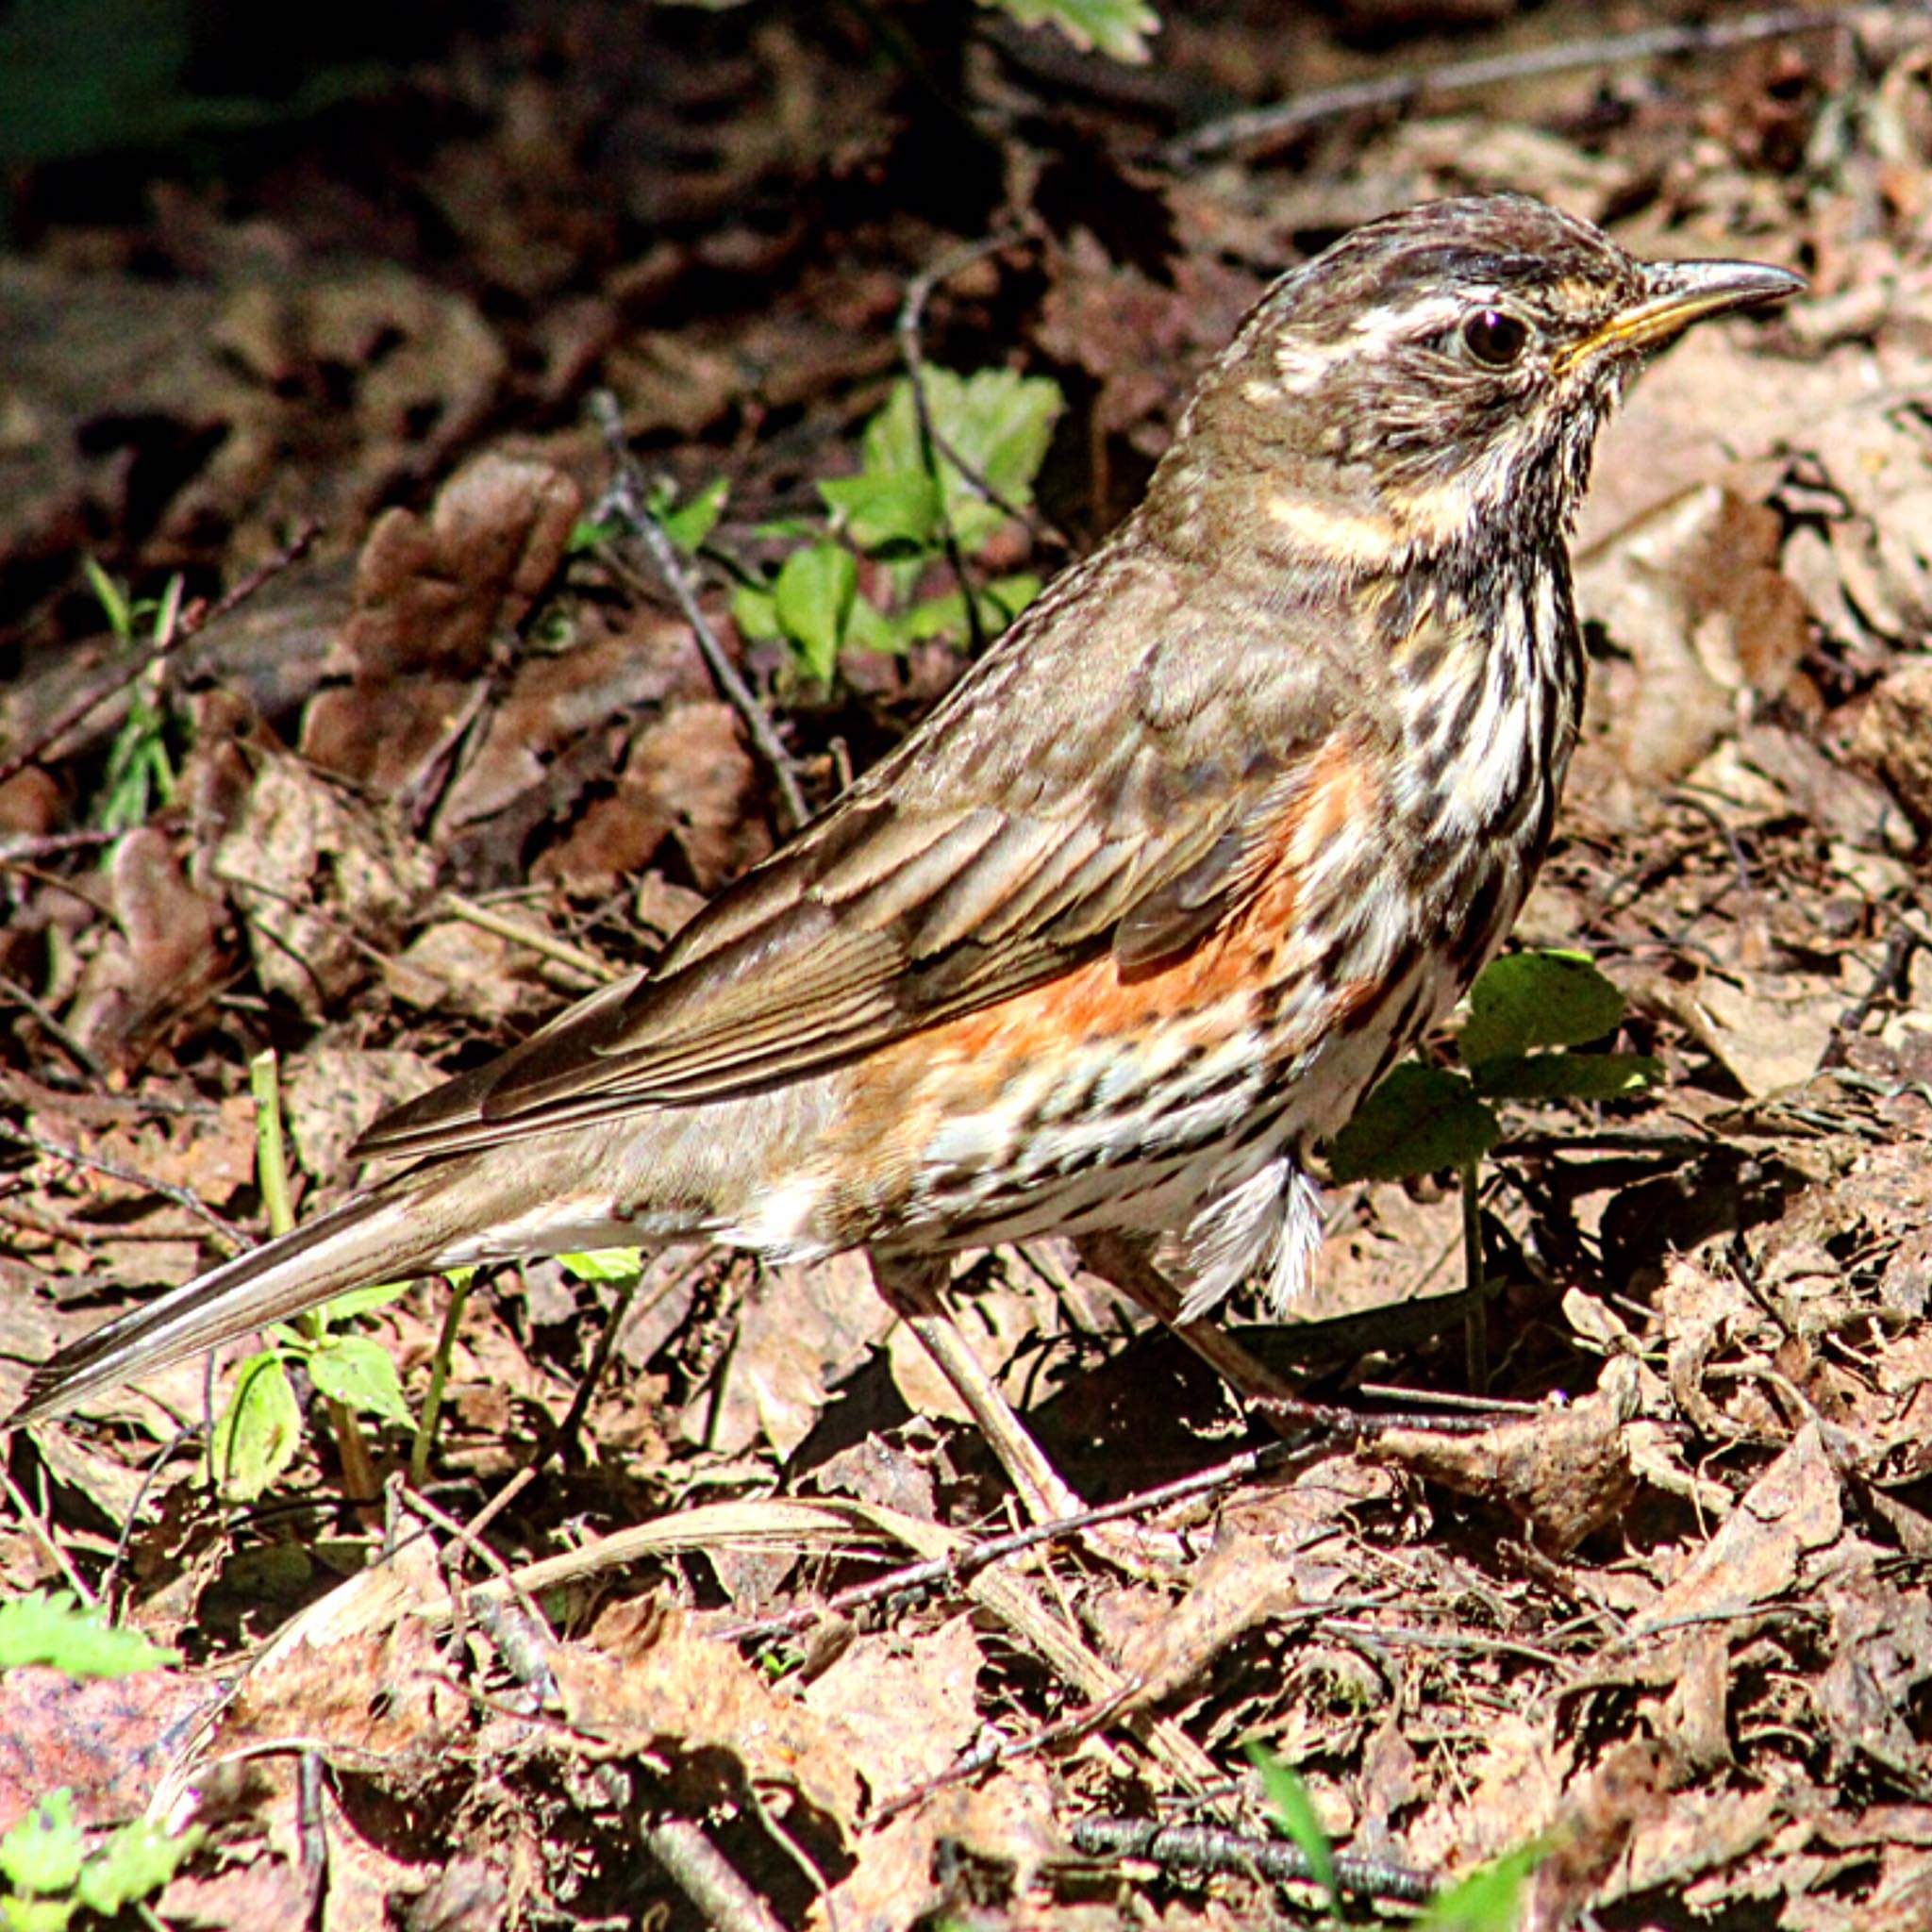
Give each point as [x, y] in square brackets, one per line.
[1435, 371]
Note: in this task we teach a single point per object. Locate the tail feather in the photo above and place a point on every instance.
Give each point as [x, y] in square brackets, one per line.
[381, 1236]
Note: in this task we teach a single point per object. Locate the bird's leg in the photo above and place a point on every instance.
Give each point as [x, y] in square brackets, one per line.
[914, 1289]
[1127, 1262]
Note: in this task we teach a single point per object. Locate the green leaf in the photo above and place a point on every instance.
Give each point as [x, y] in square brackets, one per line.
[36, 1914]
[52, 1628]
[260, 1431]
[814, 600]
[138, 1861]
[998, 422]
[360, 1373]
[1118, 28]
[1418, 1120]
[359, 1301]
[755, 613]
[1490, 1899]
[895, 509]
[1295, 1811]
[45, 1852]
[1569, 1076]
[1537, 999]
[587, 533]
[605, 1264]
[689, 525]
[111, 598]
[872, 629]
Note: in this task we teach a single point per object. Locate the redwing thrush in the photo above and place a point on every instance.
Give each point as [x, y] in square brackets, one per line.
[1233, 812]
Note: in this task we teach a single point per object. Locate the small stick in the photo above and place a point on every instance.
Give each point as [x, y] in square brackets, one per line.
[908, 329]
[198, 618]
[127, 1177]
[625, 500]
[1218, 137]
[573, 959]
[699, 1870]
[958, 1567]
[1208, 1848]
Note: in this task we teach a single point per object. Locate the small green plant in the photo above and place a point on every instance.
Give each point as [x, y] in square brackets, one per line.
[1294, 1812]
[854, 577]
[260, 1432]
[1490, 1899]
[140, 772]
[1422, 1119]
[50, 1866]
[1118, 28]
[50, 1627]
[51, 1870]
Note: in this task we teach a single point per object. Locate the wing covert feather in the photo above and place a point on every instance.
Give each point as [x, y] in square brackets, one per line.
[1057, 804]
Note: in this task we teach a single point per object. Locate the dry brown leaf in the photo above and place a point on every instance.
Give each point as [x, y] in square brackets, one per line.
[1792, 1512]
[325, 882]
[800, 1327]
[163, 963]
[107, 1740]
[905, 1706]
[648, 1685]
[433, 597]
[1562, 1474]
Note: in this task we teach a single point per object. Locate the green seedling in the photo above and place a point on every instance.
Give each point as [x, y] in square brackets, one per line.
[1529, 1017]
[852, 580]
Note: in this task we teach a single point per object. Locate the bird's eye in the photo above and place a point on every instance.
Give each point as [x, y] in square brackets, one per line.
[1494, 338]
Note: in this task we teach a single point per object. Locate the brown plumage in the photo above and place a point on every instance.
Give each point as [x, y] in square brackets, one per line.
[1231, 814]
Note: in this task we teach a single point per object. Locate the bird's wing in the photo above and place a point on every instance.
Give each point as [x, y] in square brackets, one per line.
[1074, 795]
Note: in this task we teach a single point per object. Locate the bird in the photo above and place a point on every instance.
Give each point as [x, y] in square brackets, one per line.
[1214, 832]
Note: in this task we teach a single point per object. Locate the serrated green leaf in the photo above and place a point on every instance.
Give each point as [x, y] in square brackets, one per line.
[1417, 1121]
[893, 509]
[1537, 999]
[259, 1433]
[360, 1373]
[1490, 1899]
[690, 523]
[359, 1301]
[813, 599]
[1569, 1076]
[1118, 28]
[996, 420]
[1295, 1811]
[52, 1628]
[137, 1861]
[36, 1914]
[605, 1264]
[45, 1852]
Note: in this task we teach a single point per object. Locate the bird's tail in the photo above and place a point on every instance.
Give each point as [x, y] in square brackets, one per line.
[391, 1233]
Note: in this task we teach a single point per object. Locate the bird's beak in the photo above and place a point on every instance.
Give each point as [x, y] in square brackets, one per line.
[1679, 293]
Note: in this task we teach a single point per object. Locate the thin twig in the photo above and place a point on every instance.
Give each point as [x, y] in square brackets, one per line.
[909, 329]
[1218, 137]
[955, 1569]
[23, 848]
[1206, 1848]
[127, 1177]
[470, 1537]
[573, 959]
[37, 1532]
[197, 619]
[624, 500]
[69, 1042]
[700, 1872]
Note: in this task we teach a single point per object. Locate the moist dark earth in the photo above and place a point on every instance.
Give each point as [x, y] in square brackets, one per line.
[345, 714]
